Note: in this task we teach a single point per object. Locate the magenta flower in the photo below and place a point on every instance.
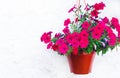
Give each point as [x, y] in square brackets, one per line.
[108, 29]
[96, 6]
[63, 48]
[84, 43]
[106, 20]
[55, 47]
[84, 34]
[112, 40]
[69, 38]
[60, 42]
[99, 6]
[99, 28]
[66, 30]
[46, 37]
[118, 28]
[96, 35]
[85, 25]
[72, 9]
[75, 43]
[115, 21]
[67, 22]
[57, 35]
[49, 45]
[94, 13]
[75, 35]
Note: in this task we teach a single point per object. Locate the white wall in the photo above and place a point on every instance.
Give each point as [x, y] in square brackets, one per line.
[22, 55]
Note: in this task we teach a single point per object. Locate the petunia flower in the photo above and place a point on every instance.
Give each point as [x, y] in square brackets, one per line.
[75, 43]
[63, 48]
[96, 35]
[84, 43]
[69, 38]
[49, 45]
[66, 30]
[94, 13]
[85, 25]
[114, 21]
[72, 9]
[112, 40]
[99, 6]
[55, 47]
[108, 29]
[46, 37]
[105, 19]
[67, 22]
[57, 35]
[84, 34]
[60, 41]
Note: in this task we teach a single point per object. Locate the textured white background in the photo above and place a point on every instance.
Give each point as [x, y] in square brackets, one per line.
[22, 55]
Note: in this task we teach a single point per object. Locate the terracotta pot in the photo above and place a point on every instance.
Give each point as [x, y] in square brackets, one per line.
[81, 64]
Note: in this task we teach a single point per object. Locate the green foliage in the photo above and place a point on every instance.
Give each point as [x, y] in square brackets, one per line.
[104, 50]
[82, 19]
[69, 51]
[90, 47]
[54, 40]
[74, 27]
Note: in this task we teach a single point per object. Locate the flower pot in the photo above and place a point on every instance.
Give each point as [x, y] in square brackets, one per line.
[81, 64]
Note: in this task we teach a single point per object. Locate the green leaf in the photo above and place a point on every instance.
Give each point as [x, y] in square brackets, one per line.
[54, 40]
[82, 20]
[74, 27]
[105, 50]
[69, 51]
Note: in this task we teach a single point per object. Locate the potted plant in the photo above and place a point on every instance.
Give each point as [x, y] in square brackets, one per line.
[83, 37]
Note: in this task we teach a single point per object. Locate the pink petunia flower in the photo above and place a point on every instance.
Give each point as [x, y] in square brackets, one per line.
[49, 45]
[46, 37]
[84, 34]
[115, 21]
[85, 25]
[66, 30]
[63, 48]
[99, 28]
[72, 9]
[75, 43]
[94, 13]
[57, 35]
[118, 28]
[79, 38]
[75, 35]
[69, 38]
[96, 35]
[106, 20]
[99, 6]
[96, 6]
[55, 47]
[84, 43]
[67, 22]
[60, 41]
[108, 29]
[112, 40]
